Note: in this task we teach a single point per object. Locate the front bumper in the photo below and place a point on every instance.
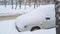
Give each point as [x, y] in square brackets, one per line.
[18, 29]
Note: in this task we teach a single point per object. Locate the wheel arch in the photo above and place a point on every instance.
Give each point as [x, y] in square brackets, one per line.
[35, 27]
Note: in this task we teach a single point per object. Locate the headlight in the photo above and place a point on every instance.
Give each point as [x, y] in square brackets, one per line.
[25, 26]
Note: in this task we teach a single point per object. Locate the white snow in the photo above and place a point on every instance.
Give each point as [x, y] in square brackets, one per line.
[8, 27]
[38, 15]
[9, 9]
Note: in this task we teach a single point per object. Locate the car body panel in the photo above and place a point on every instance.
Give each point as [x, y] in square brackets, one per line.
[37, 18]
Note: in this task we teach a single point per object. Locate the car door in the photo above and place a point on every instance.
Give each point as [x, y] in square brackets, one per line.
[47, 22]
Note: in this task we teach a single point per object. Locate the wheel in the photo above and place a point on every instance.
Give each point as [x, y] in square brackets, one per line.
[35, 28]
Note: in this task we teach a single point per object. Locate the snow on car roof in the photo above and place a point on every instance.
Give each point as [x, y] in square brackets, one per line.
[36, 15]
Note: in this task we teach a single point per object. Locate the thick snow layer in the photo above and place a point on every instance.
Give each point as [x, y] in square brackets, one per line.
[8, 27]
[9, 9]
[38, 15]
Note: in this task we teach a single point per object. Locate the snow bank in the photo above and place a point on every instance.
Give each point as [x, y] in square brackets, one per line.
[8, 27]
[38, 15]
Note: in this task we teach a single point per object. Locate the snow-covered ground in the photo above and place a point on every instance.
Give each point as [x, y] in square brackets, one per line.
[8, 27]
[9, 9]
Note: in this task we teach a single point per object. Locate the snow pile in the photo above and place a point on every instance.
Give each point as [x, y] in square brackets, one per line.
[8, 27]
[38, 15]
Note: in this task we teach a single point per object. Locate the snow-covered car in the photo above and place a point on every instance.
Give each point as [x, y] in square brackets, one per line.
[42, 18]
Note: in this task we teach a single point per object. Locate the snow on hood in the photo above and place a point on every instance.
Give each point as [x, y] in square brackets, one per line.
[37, 15]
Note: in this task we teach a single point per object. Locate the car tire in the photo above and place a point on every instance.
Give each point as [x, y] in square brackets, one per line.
[35, 28]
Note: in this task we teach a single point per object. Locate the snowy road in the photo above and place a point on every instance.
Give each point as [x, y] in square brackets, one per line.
[8, 27]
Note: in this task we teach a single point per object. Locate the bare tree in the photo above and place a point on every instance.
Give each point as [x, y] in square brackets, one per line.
[20, 2]
[35, 1]
[25, 3]
[29, 2]
[16, 4]
[5, 2]
[12, 3]
[57, 8]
